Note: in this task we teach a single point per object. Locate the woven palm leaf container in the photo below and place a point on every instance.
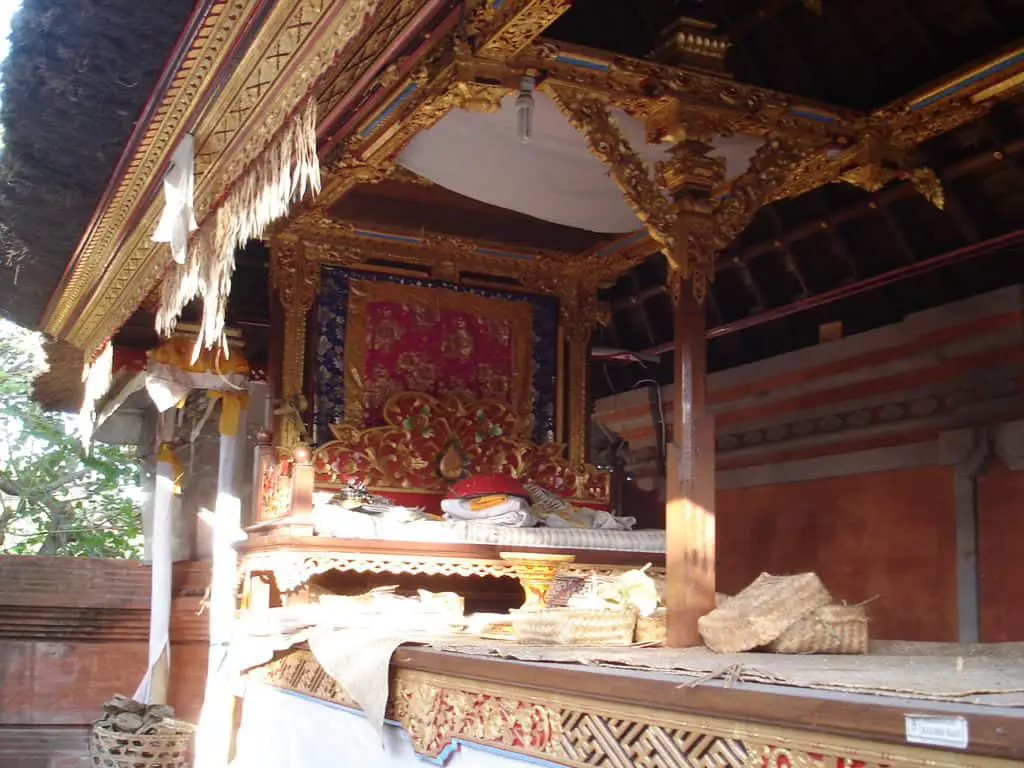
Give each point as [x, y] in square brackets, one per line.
[762, 612]
[574, 626]
[829, 629]
[651, 630]
[169, 746]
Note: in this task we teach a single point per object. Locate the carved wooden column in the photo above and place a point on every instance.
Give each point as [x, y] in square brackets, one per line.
[297, 280]
[690, 481]
[690, 467]
[578, 308]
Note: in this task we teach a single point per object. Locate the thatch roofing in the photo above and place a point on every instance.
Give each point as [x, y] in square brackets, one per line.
[76, 79]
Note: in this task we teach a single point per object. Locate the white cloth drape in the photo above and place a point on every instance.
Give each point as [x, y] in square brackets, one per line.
[178, 219]
[554, 177]
[213, 739]
[286, 730]
[153, 689]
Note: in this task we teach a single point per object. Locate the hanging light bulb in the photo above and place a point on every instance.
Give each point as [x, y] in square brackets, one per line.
[524, 108]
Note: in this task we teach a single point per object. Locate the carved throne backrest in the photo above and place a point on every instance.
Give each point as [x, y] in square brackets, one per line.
[427, 443]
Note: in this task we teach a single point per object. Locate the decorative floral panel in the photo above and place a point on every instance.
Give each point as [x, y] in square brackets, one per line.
[382, 334]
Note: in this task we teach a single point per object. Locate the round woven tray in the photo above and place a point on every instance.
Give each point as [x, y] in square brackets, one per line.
[171, 747]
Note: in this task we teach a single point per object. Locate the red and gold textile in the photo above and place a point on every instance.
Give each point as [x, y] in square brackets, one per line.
[434, 341]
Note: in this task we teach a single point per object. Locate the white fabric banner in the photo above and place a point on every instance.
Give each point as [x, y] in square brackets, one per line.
[285, 730]
[153, 689]
[213, 739]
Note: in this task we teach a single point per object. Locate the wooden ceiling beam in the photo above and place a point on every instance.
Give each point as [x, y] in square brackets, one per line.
[837, 243]
[642, 306]
[899, 236]
[852, 212]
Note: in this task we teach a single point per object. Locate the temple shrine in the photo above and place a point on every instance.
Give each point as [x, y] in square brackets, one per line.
[565, 383]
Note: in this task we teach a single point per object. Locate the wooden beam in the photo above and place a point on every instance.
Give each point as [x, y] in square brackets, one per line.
[690, 487]
[890, 194]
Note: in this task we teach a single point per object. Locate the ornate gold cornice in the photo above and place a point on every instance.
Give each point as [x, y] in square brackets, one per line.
[220, 30]
[298, 40]
[116, 265]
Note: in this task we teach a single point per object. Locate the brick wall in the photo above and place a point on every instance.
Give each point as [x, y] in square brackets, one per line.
[73, 632]
[831, 458]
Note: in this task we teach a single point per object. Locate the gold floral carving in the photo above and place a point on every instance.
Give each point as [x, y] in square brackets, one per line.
[591, 117]
[490, 436]
[297, 281]
[503, 32]
[363, 293]
[434, 717]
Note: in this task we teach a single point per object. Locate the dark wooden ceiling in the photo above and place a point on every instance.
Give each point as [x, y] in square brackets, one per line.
[855, 53]
[429, 207]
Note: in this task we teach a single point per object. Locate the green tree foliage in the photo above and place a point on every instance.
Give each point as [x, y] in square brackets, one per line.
[55, 499]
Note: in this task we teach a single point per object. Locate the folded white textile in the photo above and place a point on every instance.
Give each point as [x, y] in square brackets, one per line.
[513, 513]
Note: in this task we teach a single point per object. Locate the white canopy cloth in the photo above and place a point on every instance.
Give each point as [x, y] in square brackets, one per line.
[554, 177]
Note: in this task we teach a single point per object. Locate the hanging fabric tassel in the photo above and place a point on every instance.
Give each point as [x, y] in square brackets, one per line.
[97, 376]
[178, 220]
[288, 169]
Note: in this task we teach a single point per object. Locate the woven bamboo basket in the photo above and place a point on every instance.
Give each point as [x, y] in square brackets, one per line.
[829, 629]
[761, 612]
[574, 626]
[651, 630]
[169, 747]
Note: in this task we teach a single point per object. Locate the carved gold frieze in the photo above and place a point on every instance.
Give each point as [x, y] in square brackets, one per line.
[500, 30]
[439, 711]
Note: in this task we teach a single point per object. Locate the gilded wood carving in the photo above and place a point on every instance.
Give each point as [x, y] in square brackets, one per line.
[429, 442]
[439, 711]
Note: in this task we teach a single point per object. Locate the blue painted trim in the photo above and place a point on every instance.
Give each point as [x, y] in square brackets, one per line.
[586, 64]
[455, 744]
[395, 103]
[374, 235]
[618, 245]
[810, 114]
[949, 90]
[506, 254]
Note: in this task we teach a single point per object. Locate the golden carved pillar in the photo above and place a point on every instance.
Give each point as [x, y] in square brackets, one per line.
[579, 313]
[296, 280]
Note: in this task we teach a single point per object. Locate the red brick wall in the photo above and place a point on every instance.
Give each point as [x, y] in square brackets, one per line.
[73, 632]
[1000, 533]
[888, 534]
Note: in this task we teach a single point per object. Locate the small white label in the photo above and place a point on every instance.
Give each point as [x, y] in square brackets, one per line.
[937, 731]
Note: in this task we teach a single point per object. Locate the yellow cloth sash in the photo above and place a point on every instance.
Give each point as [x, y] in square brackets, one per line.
[231, 405]
[166, 455]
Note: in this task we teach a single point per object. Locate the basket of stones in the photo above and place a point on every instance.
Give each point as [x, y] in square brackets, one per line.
[134, 735]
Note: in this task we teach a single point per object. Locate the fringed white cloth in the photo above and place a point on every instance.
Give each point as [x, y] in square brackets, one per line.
[97, 377]
[178, 220]
[285, 172]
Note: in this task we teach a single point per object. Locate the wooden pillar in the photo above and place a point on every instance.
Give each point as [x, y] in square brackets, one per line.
[690, 482]
[579, 312]
[297, 280]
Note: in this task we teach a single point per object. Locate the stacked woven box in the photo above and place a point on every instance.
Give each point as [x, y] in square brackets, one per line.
[785, 614]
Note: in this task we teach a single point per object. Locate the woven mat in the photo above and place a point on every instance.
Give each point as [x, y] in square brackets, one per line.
[989, 674]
